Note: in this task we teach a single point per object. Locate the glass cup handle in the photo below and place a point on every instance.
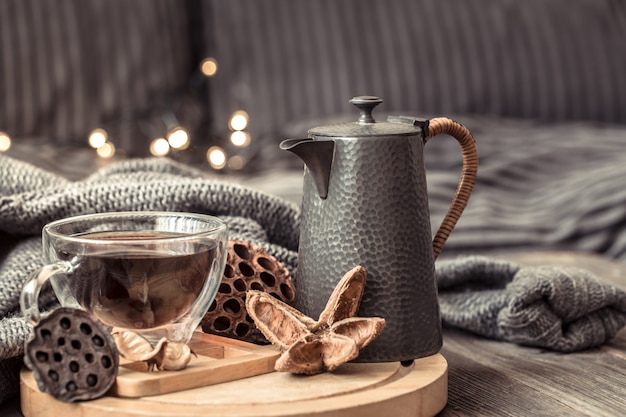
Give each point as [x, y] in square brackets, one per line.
[30, 291]
[440, 125]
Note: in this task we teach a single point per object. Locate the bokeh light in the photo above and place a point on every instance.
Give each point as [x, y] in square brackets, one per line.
[178, 138]
[216, 157]
[106, 151]
[240, 138]
[236, 162]
[208, 66]
[159, 147]
[97, 138]
[5, 142]
[238, 120]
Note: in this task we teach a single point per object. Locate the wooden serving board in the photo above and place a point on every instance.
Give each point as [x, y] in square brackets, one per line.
[217, 359]
[366, 390]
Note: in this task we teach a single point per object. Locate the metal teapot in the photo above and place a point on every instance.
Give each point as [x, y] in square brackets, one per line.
[365, 203]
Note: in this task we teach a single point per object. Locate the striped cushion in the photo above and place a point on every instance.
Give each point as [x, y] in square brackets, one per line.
[68, 66]
[285, 60]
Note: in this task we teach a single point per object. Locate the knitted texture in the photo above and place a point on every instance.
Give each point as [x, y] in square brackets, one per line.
[558, 308]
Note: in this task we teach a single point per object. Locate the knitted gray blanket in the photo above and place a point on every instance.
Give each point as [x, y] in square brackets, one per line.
[557, 308]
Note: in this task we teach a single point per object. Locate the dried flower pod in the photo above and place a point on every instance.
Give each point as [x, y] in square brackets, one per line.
[248, 267]
[176, 356]
[281, 324]
[308, 346]
[73, 357]
[135, 347]
[164, 356]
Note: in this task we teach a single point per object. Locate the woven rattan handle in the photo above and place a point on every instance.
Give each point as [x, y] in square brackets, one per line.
[468, 175]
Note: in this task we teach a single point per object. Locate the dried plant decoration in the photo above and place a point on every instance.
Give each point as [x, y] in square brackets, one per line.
[309, 346]
[73, 357]
[248, 267]
[164, 356]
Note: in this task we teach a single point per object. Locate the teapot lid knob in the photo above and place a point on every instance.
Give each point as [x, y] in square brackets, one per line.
[366, 104]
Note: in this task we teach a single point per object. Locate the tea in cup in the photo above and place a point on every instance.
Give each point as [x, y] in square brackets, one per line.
[153, 273]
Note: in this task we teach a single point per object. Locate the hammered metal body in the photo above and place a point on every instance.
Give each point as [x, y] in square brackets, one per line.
[375, 215]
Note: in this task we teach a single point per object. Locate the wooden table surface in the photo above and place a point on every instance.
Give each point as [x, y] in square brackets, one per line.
[491, 378]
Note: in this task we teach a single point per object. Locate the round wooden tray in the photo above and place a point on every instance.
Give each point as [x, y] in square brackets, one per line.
[417, 390]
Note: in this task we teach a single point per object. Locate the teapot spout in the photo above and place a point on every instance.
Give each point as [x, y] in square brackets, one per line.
[318, 157]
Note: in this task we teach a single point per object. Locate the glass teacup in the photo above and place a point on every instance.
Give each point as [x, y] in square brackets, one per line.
[154, 273]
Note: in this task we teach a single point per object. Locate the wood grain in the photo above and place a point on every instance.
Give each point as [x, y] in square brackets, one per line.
[366, 390]
[217, 359]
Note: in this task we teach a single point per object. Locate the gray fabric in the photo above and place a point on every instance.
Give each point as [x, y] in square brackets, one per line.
[561, 308]
[505, 296]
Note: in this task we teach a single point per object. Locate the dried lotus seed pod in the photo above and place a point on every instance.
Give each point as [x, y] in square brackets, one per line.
[248, 267]
[73, 357]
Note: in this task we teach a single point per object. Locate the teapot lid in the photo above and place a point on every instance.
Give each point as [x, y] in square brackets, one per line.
[366, 126]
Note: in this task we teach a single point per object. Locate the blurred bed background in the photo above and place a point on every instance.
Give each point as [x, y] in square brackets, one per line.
[218, 84]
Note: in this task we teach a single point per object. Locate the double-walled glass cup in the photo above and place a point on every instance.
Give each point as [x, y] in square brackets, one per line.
[154, 273]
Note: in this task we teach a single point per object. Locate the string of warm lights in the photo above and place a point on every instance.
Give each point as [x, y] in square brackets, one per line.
[178, 138]
[219, 155]
[99, 140]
